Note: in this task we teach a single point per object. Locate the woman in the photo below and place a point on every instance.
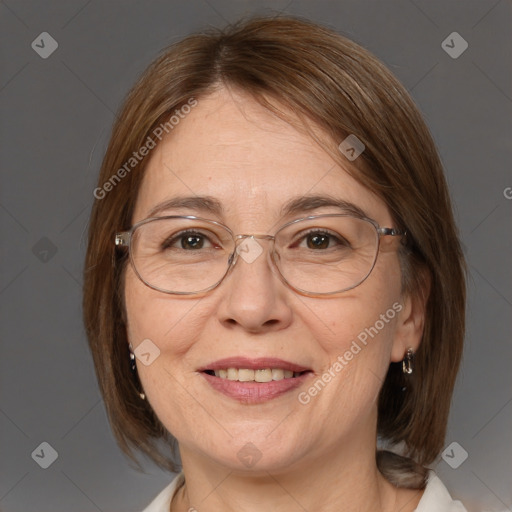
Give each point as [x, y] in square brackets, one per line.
[274, 277]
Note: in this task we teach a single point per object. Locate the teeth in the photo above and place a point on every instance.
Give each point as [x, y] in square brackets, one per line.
[263, 375]
[245, 375]
[277, 374]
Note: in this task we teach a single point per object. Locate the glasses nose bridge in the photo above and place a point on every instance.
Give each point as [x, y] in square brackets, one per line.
[254, 235]
[239, 240]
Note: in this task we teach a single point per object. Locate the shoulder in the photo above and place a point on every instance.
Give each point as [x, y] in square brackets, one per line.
[436, 498]
[163, 501]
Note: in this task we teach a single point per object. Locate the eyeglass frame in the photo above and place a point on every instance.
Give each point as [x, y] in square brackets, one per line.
[124, 238]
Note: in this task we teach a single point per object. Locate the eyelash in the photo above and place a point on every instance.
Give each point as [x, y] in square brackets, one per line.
[168, 242]
[316, 231]
[299, 238]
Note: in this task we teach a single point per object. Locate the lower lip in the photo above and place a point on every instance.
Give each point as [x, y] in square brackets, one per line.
[254, 392]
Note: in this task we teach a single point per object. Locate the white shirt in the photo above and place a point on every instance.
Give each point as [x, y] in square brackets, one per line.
[435, 498]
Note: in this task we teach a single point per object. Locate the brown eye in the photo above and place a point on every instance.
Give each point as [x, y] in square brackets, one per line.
[318, 241]
[192, 242]
[321, 240]
[187, 240]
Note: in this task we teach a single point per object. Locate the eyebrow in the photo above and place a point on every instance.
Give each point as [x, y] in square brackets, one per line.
[312, 202]
[296, 205]
[200, 203]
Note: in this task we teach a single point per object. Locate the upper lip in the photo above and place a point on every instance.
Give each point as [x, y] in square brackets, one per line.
[253, 364]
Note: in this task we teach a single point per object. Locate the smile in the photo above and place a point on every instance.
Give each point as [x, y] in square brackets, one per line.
[249, 375]
[253, 381]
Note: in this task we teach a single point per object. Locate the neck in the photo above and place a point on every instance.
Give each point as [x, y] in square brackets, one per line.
[346, 480]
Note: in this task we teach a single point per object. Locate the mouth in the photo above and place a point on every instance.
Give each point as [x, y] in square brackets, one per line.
[254, 380]
[258, 375]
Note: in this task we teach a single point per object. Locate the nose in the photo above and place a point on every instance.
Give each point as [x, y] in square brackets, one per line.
[252, 295]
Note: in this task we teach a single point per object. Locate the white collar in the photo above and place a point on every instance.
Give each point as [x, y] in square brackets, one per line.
[436, 498]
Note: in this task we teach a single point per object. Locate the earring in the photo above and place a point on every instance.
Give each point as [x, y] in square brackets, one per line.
[133, 368]
[407, 362]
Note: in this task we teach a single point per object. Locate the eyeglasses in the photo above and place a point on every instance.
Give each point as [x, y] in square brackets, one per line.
[316, 255]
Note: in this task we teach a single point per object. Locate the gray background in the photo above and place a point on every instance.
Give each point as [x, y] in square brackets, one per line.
[56, 115]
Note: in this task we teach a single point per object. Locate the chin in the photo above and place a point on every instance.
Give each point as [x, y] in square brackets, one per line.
[252, 461]
[255, 455]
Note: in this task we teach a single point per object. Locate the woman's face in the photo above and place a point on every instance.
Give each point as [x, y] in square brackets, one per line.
[232, 150]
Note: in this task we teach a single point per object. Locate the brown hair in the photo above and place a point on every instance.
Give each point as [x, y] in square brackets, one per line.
[322, 77]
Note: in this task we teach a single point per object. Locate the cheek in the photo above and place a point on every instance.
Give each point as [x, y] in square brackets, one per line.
[364, 313]
[156, 316]
[343, 395]
[172, 326]
[168, 329]
[360, 340]
[355, 335]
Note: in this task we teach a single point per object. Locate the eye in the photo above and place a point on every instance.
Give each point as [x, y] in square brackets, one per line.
[321, 239]
[318, 241]
[189, 240]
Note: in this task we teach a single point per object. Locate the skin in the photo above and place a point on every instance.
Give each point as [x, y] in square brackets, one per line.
[231, 148]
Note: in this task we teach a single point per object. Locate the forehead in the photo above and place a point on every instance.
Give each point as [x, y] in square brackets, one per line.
[232, 149]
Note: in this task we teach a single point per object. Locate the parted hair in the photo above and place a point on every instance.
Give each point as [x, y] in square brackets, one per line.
[304, 71]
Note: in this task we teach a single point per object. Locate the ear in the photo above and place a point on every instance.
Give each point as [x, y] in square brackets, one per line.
[411, 318]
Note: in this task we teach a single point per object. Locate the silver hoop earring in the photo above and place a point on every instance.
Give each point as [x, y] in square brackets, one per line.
[407, 366]
[133, 368]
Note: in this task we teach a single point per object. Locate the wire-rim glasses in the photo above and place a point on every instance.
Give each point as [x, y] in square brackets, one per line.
[315, 255]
